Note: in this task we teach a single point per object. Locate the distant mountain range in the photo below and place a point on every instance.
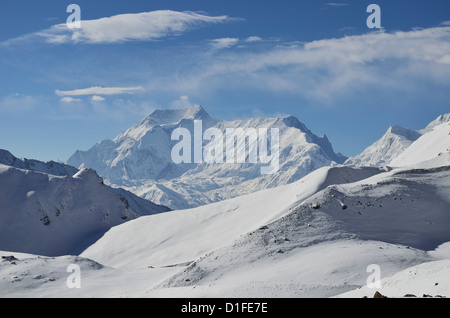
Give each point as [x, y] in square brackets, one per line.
[139, 159]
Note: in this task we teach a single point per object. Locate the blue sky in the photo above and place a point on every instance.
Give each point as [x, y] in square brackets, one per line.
[65, 89]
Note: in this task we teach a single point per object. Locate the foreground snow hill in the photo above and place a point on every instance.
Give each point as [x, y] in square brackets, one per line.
[312, 238]
[27, 275]
[139, 159]
[429, 279]
[290, 242]
[324, 246]
[47, 214]
[182, 236]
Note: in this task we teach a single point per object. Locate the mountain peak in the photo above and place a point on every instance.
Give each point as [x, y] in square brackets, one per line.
[440, 120]
[409, 134]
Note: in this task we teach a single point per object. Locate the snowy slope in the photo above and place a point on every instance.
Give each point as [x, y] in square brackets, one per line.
[435, 142]
[430, 279]
[26, 275]
[182, 236]
[390, 219]
[55, 215]
[51, 167]
[385, 149]
[139, 159]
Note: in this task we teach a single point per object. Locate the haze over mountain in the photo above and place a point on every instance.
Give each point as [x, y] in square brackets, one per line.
[139, 159]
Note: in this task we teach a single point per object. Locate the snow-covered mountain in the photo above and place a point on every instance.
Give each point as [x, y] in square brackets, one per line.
[444, 118]
[46, 210]
[402, 147]
[433, 145]
[51, 167]
[139, 159]
[385, 149]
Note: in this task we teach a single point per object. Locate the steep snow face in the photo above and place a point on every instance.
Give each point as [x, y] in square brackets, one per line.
[55, 215]
[388, 147]
[434, 145]
[139, 159]
[51, 167]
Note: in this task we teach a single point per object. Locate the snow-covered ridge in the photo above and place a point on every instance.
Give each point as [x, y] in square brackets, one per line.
[444, 118]
[52, 214]
[388, 147]
[51, 167]
[432, 145]
[402, 147]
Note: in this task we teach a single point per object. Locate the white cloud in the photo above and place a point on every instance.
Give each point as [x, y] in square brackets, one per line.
[142, 26]
[253, 39]
[97, 98]
[224, 43]
[445, 23]
[181, 102]
[70, 100]
[97, 90]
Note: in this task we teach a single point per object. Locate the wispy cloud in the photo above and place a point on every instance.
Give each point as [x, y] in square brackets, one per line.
[143, 26]
[224, 43]
[325, 69]
[334, 4]
[19, 102]
[97, 90]
[69, 99]
[253, 39]
[97, 98]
